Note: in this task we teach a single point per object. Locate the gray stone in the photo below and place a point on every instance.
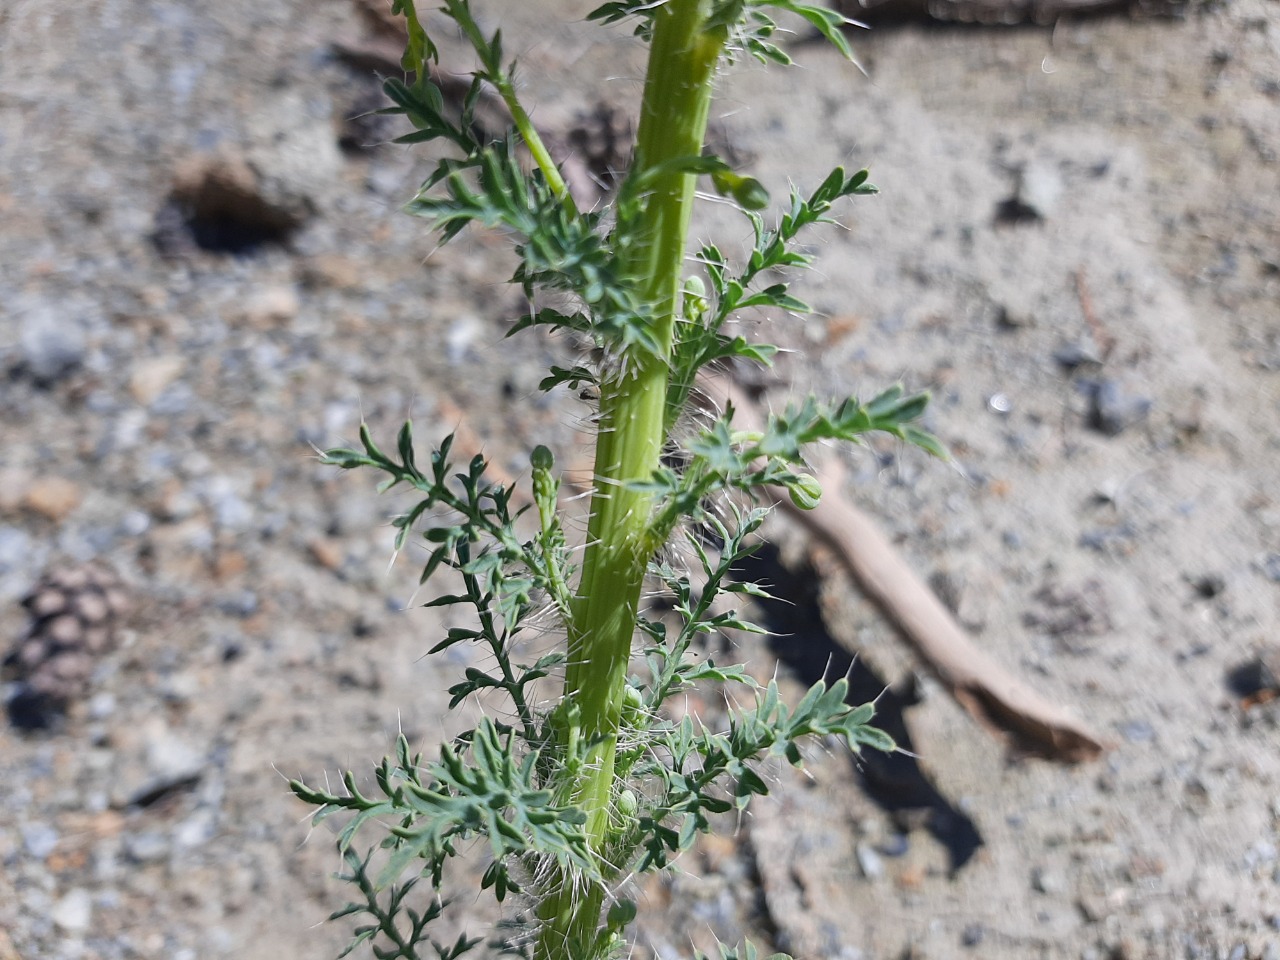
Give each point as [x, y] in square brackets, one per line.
[1046, 881]
[52, 345]
[1113, 409]
[135, 523]
[230, 511]
[146, 847]
[197, 830]
[1262, 853]
[15, 549]
[1270, 567]
[869, 862]
[1073, 355]
[101, 705]
[39, 839]
[239, 603]
[1137, 731]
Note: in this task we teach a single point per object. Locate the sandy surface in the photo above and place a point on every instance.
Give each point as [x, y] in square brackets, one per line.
[1103, 192]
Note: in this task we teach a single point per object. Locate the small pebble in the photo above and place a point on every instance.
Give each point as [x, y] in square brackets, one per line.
[74, 912]
[230, 511]
[179, 687]
[460, 339]
[1073, 355]
[895, 845]
[15, 549]
[152, 376]
[239, 603]
[101, 706]
[1112, 409]
[146, 847]
[326, 552]
[1046, 881]
[52, 346]
[1270, 567]
[39, 839]
[271, 306]
[1261, 853]
[195, 831]
[135, 523]
[1137, 731]
[1013, 317]
[973, 935]
[1039, 188]
[869, 862]
[54, 498]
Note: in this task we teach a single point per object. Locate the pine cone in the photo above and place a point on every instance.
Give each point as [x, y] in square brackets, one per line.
[75, 612]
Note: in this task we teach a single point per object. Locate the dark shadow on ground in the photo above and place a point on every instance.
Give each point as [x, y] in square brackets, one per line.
[802, 642]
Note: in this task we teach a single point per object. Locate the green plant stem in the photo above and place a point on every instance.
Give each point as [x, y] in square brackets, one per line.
[502, 82]
[673, 122]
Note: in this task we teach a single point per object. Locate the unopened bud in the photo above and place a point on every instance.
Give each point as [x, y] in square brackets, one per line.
[805, 491]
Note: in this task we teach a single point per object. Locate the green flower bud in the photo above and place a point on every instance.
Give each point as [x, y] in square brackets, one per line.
[541, 458]
[626, 806]
[632, 706]
[621, 914]
[749, 192]
[805, 491]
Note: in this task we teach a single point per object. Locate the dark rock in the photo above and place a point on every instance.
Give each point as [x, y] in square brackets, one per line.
[1112, 409]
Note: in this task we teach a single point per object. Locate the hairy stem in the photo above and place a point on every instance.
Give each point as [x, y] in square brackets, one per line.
[502, 82]
[631, 435]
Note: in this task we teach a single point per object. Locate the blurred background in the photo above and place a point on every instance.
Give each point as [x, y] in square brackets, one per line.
[205, 275]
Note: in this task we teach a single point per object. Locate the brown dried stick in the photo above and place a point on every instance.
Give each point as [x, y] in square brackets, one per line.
[992, 694]
[1105, 341]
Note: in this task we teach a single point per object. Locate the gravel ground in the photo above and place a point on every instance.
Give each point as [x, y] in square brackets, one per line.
[1076, 250]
